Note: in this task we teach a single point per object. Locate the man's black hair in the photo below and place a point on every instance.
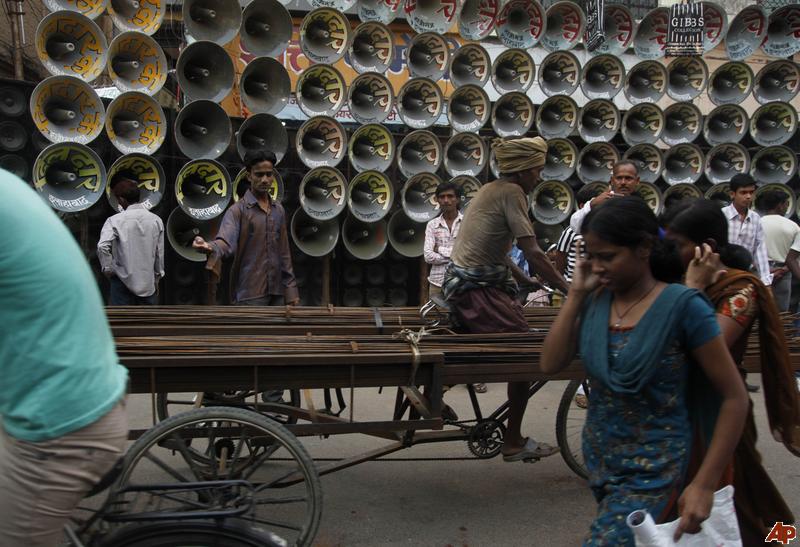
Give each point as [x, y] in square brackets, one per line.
[742, 180]
[627, 162]
[447, 186]
[254, 157]
[771, 200]
[585, 194]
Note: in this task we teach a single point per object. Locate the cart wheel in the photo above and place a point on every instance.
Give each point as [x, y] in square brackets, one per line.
[486, 439]
[569, 427]
[226, 444]
[197, 533]
[169, 404]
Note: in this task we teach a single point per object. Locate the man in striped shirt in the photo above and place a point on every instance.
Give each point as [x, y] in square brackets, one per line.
[744, 225]
[440, 235]
[567, 246]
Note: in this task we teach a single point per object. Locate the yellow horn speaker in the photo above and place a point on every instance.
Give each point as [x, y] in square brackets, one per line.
[135, 123]
[619, 27]
[314, 237]
[513, 70]
[783, 31]
[465, 154]
[321, 91]
[726, 123]
[468, 109]
[203, 130]
[559, 74]
[564, 27]
[90, 8]
[363, 240]
[262, 132]
[181, 231]
[265, 86]
[774, 165]
[370, 98]
[378, 11]
[419, 103]
[646, 82]
[650, 40]
[69, 176]
[370, 196]
[371, 148]
[603, 77]
[67, 109]
[683, 163]
[746, 33]
[651, 195]
[687, 78]
[137, 63]
[557, 117]
[241, 184]
[430, 15]
[205, 71]
[726, 160]
[777, 81]
[216, 21]
[321, 142]
[467, 189]
[596, 161]
[648, 159]
[716, 25]
[552, 202]
[642, 124]
[773, 123]
[419, 152]
[428, 56]
[406, 236]
[325, 35]
[323, 193]
[146, 172]
[521, 23]
[372, 49]
[599, 121]
[719, 193]
[137, 15]
[683, 122]
[71, 44]
[203, 189]
[512, 115]
[266, 28]
[418, 197]
[730, 83]
[477, 18]
[470, 64]
[561, 161]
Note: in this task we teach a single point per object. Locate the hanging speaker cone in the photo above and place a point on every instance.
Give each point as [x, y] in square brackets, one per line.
[321, 91]
[679, 192]
[470, 65]
[419, 152]
[650, 40]
[90, 8]
[406, 235]
[428, 56]
[599, 121]
[646, 82]
[135, 123]
[648, 159]
[774, 164]
[323, 193]
[726, 123]
[552, 202]
[618, 26]
[418, 197]
[467, 189]
[419, 103]
[683, 123]
[777, 81]
[66, 109]
[561, 161]
[687, 78]
[266, 28]
[325, 35]
[557, 117]
[521, 23]
[716, 25]
[265, 86]
[465, 154]
[181, 231]
[783, 32]
[370, 196]
[203, 189]
[719, 193]
[16, 165]
[430, 15]
[513, 70]
[372, 49]
[262, 132]
[137, 15]
[774, 123]
[12, 136]
[12, 101]
[146, 172]
[746, 33]
[783, 189]
[216, 21]
[603, 77]
[371, 148]
[205, 71]
[683, 163]
[378, 11]
[370, 98]
[70, 44]
[203, 130]
[477, 18]
[730, 83]
[468, 109]
[726, 160]
[69, 176]
[559, 74]
[137, 63]
[313, 236]
[512, 115]
[596, 161]
[564, 26]
[651, 195]
[643, 124]
[321, 142]
[241, 184]
[365, 241]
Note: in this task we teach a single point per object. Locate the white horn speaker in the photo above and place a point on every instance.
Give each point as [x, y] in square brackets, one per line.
[512, 115]
[370, 98]
[467, 189]
[372, 49]
[687, 78]
[146, 172]
[552, 202]
[90, 8]
[773, 123]
[203, 189]
[716, 25]
[648, 159]
[418, 197]
[651, 195]
[596, 162]
[266, 28]
[419, 103]
[477, 18]
[71, 44]
[371, 148]
[650, 40]
[314, 237]
[465, 154]
[746, 33]
[557, 117]
[137, 63]
[203, 130]
[643, 124]
[564, 26]
[137, 15]
[470, 64]
[521, 23]
[325, 35]
[646, 82]
[468, 109]
[683, 123]
[365, 241]
[719, 193]
[430, 15]
[135, 123]
[182, 229]
[67, 109]
[262, 132]
[513, 70]
[782, 32]
[321, 142]
[419, 152]
[599, 121]
[726, 123]
[428, 56]
[774, 165]
[683, 163]
[321, 91]
[603, 77]
[69, 176]
[406, 236]
[379, 11]
[726, 160]
[559, 74]
[216, 21]
[730, 83]
[370, 196]
[777, 81]
[561, 160]
[205, 71]
[323, 193]
[619, 28]
[265, 86]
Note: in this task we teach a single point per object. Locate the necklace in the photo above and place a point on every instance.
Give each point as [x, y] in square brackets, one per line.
[620, 316]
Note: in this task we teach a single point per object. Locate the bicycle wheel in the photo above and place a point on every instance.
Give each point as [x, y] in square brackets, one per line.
[220, 444]
[169, 404]
[196, 533]
[569, 427]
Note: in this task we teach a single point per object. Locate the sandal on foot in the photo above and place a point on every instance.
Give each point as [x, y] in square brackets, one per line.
[531, 451]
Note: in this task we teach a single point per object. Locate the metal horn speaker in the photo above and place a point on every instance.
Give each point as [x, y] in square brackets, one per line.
[217, 21]
[512, 115]
[71, 44]
[646, 82]
[782, 188]
[467, 189]
[683, 163]
[69, 176]
[648, 159]
[241, 184]
[746, 33]
[419, 103]
[427, 56]
[726, 160]
[559, 74]
[430, 15]
[203, 130]
[477, 18]
[552, 202]
[513, 70]
[564, 27]
[651, 195]
[777, 81]
[137, 63]
[323, 193]
[643, 124]
[266, 28]
[135, 123]
[90, 8]
[321, 142]
[372, 49]
[262, 132]
[379, 11]
[521, 23]
[716, 25]
[265, 86]
[465, 154]
[66, 109]
[596, 162]
[371, 148]
[557, 117]
[561, 160]
[650, 40]
[783, 31]
[137, 15]
[418, 197]
[203, 189]
[182, 229]
[679, 192]
[371, 98]
[325, 35]
[773, 123]
[363, 240]
[730, 83]
[468, 109]
[340, 5]
[205, 71]
[321, 91]
[719, 193]
[774, 164]
[683, 123]
[687, 78]
[726, 123]
[419, 152]
[370, 196]
[313, 236]
[148, 174]
[470, 64]
[406, 236]
[599, 121]
[603, 77]
[619, 27]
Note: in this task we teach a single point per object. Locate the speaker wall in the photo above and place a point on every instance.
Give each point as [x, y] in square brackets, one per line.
[325, 35]
[643, 124]
[470, 64]
[651, 35]
[683, 163]
[418, 197]
[683, 122]
[266, 28]
[321, 91]
[430, 15]
[67, 109]
[552, 202]
[217, 21]
[513, 70]
[265, 86]
[648, 159]
[143, 16]
[773, 123]
[90, 8]
[203, 189]
[69, 176]
[380, 11]
[323, 193]
[467, 189]
[559, 74]
[512, 115]
[148, 174]
[646, 82]
[372, 49]
[687, 78]
[137, 63]
[371, 148]
[561, 160]
[719, 193]
[314, 237]
[321, 142]
[782, 39]
[777, 81]
[619, 28]
[730, 83]
[419, 152]
[564, 26]
[465, 154]
[726, 160]
[241, 184]
[182, 229]
[468, 108]
[651, 195]
[205, 71]
[365, 241]
[477, 18]
[596, 162]
[262, 132]
[371, 98]
[716, 25]
[370, 196]
[428, 56]
[406, 236]
[726, 123]
[135, 123]
[521, 23]
[203, 130]
[557, 117]
[599, 121]
[746, 33]
[419, 103]
[70, 44]
[603, 77]
[774, 165]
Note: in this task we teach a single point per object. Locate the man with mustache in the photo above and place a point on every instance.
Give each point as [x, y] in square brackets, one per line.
[624, 182]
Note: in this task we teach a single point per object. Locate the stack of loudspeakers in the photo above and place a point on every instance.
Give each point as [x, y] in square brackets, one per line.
[594, 108]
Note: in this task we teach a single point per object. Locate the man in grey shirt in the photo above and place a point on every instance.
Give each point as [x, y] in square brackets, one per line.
[131, 248]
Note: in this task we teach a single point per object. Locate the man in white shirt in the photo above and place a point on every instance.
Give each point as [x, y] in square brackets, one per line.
[440, 235]
[624, 181]
[131, 248]
[783, 245]
[744, 225]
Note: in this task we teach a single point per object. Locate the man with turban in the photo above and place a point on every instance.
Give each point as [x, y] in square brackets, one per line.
[480, 282]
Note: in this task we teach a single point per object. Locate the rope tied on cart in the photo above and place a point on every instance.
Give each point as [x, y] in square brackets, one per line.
[413, 338]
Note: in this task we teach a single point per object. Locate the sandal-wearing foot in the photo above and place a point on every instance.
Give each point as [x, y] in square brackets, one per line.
[480, 387]
[581, 401]
[531, 451]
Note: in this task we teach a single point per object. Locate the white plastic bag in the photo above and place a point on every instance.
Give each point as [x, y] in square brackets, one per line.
[720, 529]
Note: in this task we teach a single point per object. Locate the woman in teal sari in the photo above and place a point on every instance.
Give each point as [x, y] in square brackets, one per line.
[638, 336]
